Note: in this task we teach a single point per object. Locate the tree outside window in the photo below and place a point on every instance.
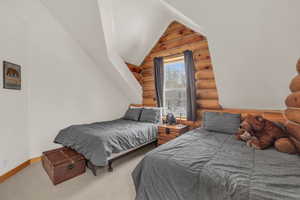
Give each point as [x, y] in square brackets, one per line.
[175, 88]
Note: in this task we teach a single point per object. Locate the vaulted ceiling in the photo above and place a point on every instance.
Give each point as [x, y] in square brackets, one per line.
[137, 26]
[254, 44]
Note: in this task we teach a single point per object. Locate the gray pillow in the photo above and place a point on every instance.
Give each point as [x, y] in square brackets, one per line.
[150, 115]
[221, 122]
[133, 114]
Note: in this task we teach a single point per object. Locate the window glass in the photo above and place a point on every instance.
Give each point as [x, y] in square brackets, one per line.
[175, 88]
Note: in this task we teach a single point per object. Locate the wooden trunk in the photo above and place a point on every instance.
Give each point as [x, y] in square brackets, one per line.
[293, 114]
[63, 164]
[295, 84]
[293, 100]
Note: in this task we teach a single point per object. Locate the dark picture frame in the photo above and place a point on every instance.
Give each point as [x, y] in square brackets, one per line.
[11, 76]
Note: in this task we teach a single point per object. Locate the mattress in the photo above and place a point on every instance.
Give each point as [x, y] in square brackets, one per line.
[202, 165]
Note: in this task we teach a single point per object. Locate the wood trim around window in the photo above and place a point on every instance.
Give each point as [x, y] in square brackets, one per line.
[173, 58]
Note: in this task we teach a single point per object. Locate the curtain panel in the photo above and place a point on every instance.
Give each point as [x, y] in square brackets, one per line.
[190, 86]
[159, 80]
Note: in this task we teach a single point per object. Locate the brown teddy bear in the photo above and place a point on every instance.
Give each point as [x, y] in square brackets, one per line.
[261, 133]
[245, 136]
[285, 145]
[245, 132]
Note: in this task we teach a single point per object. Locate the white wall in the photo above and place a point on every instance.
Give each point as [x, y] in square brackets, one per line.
[84, 23]
[138, 24]
[65, 86]
[254, 45]
[14, 141]
[120, 68]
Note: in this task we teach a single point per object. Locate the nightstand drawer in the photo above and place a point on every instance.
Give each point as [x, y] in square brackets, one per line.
[162, 129]
[172, 131]
[165, 136]
[179, 131]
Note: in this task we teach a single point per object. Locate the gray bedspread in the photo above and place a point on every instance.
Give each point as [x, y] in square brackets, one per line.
[202, 165]
[97, 141]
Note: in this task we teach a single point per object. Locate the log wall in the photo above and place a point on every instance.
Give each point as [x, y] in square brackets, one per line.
[136, 71]
[292, 113]
[176, 39]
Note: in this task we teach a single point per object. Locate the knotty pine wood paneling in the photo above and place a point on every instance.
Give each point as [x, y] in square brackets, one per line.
[176, 39]
[136, 71]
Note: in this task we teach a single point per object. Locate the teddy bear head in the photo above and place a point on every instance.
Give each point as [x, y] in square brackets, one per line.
[245, 135]
[250, 125]
[253, 123]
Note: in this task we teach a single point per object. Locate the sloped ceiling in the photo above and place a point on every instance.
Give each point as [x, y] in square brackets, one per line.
[82, 19]
[254, 46]
[137, 26]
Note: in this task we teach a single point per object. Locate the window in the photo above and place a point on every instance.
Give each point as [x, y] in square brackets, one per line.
[175, 87]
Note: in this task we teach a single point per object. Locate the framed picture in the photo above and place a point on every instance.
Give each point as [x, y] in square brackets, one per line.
[11, 76]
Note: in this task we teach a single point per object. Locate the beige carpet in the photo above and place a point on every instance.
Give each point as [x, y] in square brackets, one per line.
[33, 183]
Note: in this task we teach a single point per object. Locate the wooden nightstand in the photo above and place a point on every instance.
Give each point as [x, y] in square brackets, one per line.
[169, 132]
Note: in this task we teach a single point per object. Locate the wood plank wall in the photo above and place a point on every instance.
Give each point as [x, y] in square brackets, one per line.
[136, 71]
[292, 113]
[176, 39]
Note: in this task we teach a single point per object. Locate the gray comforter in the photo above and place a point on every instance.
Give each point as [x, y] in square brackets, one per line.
[203, 165]
[97, 141]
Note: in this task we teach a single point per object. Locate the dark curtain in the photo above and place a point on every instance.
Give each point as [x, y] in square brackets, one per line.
[159, 80]
[190, 85]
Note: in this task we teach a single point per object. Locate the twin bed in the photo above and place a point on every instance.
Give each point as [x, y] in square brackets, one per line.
[205, 165]
[103, 142]
[201, 164]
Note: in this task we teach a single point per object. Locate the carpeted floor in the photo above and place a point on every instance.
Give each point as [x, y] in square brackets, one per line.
[33, 183]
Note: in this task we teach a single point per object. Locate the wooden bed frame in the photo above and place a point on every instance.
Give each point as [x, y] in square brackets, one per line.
[110, 160]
